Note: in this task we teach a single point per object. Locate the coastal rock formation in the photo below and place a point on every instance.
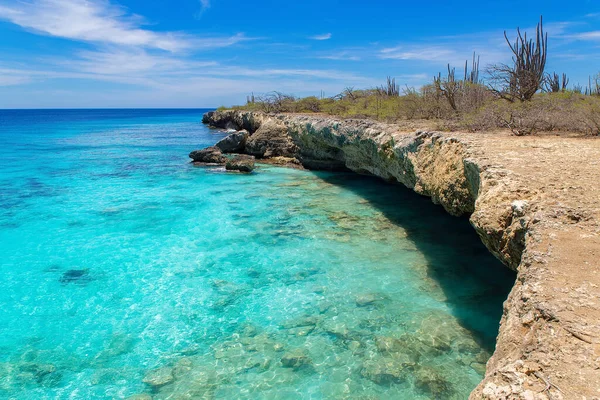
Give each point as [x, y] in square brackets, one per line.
[534, 203]
[233, 143]
[209, 155]
[271, 140]
[240, 162]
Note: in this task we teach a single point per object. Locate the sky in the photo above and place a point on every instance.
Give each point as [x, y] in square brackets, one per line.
[207, 53]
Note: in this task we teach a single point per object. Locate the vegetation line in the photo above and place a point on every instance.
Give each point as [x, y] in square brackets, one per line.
[520, 96]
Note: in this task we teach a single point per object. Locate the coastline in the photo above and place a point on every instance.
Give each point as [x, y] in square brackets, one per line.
[529, 199]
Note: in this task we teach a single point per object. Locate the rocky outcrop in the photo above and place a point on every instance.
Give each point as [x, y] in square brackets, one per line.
[240, 162]
[238, 120]
[537, 221]
[271, 140]
[234, 142]
[209, 155]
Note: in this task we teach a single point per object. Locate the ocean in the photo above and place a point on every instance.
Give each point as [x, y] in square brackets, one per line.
[128, 271]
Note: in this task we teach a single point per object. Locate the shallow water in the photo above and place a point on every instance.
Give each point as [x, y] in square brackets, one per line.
[127, 271]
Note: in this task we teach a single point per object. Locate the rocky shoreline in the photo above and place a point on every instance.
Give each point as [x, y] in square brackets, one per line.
[537, 221]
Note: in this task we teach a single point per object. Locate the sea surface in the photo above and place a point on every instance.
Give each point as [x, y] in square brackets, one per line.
[128, 271]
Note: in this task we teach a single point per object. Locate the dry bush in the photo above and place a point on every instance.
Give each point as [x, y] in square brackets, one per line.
[549, 112]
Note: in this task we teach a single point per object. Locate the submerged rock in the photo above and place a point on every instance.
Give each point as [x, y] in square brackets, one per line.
[338, 329]
[432, 384]
[388, 345]
[385, 371]
[209, 155]
[159, 377]
[368, 299]
[295, 359]
[79, 276]
[234, 142]
[44, 374]
[240, 162]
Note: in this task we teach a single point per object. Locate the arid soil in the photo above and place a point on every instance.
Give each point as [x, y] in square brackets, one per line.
[535, 203]
[549, 344]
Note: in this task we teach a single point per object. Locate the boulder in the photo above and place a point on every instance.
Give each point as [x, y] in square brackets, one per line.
[271, 140]
[240, 162]
[233, 143]
[209, 155]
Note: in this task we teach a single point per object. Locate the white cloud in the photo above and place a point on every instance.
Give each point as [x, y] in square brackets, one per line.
[102, 22]
[126, 62]
[13, 79]
[424, 53]
[592, 35]
[341, 56]
[204, 6]
[325, 36]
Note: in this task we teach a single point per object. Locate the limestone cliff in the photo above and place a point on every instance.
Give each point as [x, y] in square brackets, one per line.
[547, 347]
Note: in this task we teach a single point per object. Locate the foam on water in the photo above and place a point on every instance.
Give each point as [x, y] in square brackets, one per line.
[128, 271]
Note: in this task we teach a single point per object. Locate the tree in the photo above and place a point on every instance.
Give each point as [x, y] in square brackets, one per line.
[525, 77]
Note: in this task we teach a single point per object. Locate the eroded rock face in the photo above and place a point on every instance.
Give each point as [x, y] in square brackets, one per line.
[240, 162]
[233, 143]
[271, 140]
[547, 345]
[209, 155]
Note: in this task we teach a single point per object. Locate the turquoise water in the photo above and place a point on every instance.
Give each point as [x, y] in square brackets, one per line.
[127, 271]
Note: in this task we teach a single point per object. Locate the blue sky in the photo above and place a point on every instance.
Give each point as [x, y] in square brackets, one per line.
[204, 53]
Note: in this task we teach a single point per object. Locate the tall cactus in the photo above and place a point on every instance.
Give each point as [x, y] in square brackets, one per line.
[529, 57]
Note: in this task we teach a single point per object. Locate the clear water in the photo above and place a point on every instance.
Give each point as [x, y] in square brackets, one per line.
[125, 270]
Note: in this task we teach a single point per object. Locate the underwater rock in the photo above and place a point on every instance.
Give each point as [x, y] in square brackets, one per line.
[79, 276]
[414, 347]
[480, 368]
[385, 371]
[310, 320]
[368, 299]
[295, 359]
[228, 293]
[337, 329]
[182, 367]
[42, 374]
[234, 142]
[468, 346]
[159, 377]
[354, 346]
[432, 384]
[387, 344]
[301, 326]
[209, 155]
[240, 162]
